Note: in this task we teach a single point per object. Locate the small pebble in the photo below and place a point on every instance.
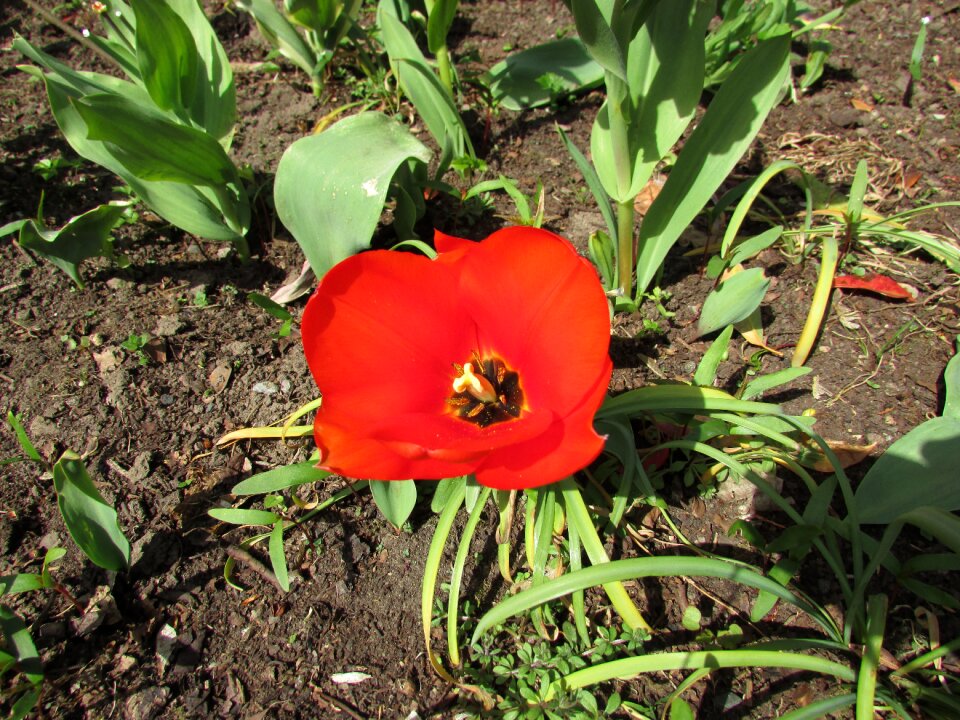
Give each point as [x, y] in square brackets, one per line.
[167, 399]
[265, 388]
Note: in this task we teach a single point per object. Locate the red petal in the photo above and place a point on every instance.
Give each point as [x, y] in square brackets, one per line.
[569, 445]
[540, 307]
[873, 283]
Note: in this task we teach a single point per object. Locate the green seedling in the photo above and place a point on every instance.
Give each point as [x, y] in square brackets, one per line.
[274, 309]
[92, 523]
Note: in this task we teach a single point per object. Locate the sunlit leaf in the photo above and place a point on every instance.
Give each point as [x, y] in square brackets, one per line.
[733, 300]
[919, 469]
[277, 557]
[330, 188]
[395, 499]
[92, 521]
[241, 516]
[728, 127]
[533, 77]
[281, 478]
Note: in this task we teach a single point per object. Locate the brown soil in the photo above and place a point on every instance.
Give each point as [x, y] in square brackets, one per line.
[146, 430]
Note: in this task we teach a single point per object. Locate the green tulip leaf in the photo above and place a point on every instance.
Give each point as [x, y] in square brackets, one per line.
[242, 516]
[84, 236]
[439, 20]
[153, 147]
[278, 558]
[733, 300]
[330, 188]
[951, 381]
[536, 76]
[919, 469]
[729, 125]
[92, 521]
[395, 499]
[166, 55]
[281, 478]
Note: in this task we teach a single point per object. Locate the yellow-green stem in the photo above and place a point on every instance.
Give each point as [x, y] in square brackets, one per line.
[625, 259]
[818, 306]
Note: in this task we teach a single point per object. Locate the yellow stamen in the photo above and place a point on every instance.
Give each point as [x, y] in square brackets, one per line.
[477, 385]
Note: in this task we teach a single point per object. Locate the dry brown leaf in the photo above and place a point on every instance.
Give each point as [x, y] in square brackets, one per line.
[847, 453]
[954, 83]
[647, 195]
[861, 105]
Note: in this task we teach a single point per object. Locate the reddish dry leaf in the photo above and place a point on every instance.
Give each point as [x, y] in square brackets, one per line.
[861, 105]
[911, 178]
[880, 284]
[954, 83]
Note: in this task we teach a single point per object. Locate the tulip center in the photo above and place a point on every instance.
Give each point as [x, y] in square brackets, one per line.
[486, 391]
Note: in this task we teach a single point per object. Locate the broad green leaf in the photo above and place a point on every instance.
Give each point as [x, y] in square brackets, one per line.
[858, 189]
[754, 245]
[423, 87]
[728, 127]
[280, 478]
[214, 103]
[82, 237]
[152, 147]
[242, 516]
[757, 387]
[273, 308]
[918, 470]
[25, 704]
[706, 373]
[92, 522]
[733, 300]
[444, 490]
[278, 558]
[680, 709]
[330, 188]
[312, 14]
[943, 525]
[395, 499]
[439, 19]
[166, 55]
[533, 77]
[198, 210]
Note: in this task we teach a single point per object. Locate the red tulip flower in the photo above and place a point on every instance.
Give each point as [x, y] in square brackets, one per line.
[490, 359]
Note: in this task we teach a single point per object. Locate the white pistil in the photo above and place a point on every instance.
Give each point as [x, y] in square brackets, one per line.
[477, 385]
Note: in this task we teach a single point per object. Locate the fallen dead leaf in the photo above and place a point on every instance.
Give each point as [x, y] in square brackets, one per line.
[847, 453]
[218, 378]
[954, 83]
[647, 195]
[861, 105]
[156, 350]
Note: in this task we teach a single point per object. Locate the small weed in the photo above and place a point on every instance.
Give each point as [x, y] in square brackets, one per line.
[134, 344]
[49, 168]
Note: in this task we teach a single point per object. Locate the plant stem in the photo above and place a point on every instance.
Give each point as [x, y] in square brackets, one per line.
[625, 258]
